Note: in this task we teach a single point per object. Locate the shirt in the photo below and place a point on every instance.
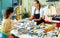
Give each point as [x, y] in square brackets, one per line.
[41, 12]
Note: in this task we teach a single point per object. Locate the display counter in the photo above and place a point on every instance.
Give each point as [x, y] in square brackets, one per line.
[35, 31]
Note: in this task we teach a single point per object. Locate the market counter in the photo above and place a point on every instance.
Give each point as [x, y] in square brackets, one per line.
[35, 32]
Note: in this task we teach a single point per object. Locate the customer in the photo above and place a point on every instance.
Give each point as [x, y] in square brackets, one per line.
[48, 11]
[37, 13]
[6, 23]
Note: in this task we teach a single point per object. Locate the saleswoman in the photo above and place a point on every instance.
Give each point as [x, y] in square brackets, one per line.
[37, 13]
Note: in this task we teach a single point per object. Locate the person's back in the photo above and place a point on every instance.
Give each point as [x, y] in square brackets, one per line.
[5, 22]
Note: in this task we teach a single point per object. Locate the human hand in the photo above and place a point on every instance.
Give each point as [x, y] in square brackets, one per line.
[35, 19]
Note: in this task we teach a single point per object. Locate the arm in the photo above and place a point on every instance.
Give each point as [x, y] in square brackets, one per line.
[39, 19]
[13, 22]
[30, 18]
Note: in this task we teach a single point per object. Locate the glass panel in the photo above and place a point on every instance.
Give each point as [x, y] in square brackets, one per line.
[52, 0]
[15, 2]
[1, 10]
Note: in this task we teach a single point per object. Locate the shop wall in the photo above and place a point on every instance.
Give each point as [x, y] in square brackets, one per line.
[3, 5]
[6, 3]
[29, 3]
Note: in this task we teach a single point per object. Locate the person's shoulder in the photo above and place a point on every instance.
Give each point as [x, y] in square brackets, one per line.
[6, 21]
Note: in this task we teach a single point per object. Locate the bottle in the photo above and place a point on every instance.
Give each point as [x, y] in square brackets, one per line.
[18, 12]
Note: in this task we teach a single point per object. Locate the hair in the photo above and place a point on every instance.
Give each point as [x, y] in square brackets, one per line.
[7, 12]
[38, 3]
[50, 5]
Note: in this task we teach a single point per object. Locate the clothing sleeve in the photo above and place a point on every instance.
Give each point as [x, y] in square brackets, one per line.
[33, 8]
[41, 13]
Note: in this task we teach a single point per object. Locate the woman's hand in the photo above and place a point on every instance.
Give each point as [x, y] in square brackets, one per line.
[36, 19]
[30, 18]
[15, 27]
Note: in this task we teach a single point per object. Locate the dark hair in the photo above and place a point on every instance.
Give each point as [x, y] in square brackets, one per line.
[38, 3]
[7, 12]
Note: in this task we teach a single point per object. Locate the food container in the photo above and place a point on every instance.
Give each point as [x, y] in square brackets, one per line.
[58, 24]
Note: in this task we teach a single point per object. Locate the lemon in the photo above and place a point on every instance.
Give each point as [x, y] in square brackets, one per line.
[35, 31]
[59, 36]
